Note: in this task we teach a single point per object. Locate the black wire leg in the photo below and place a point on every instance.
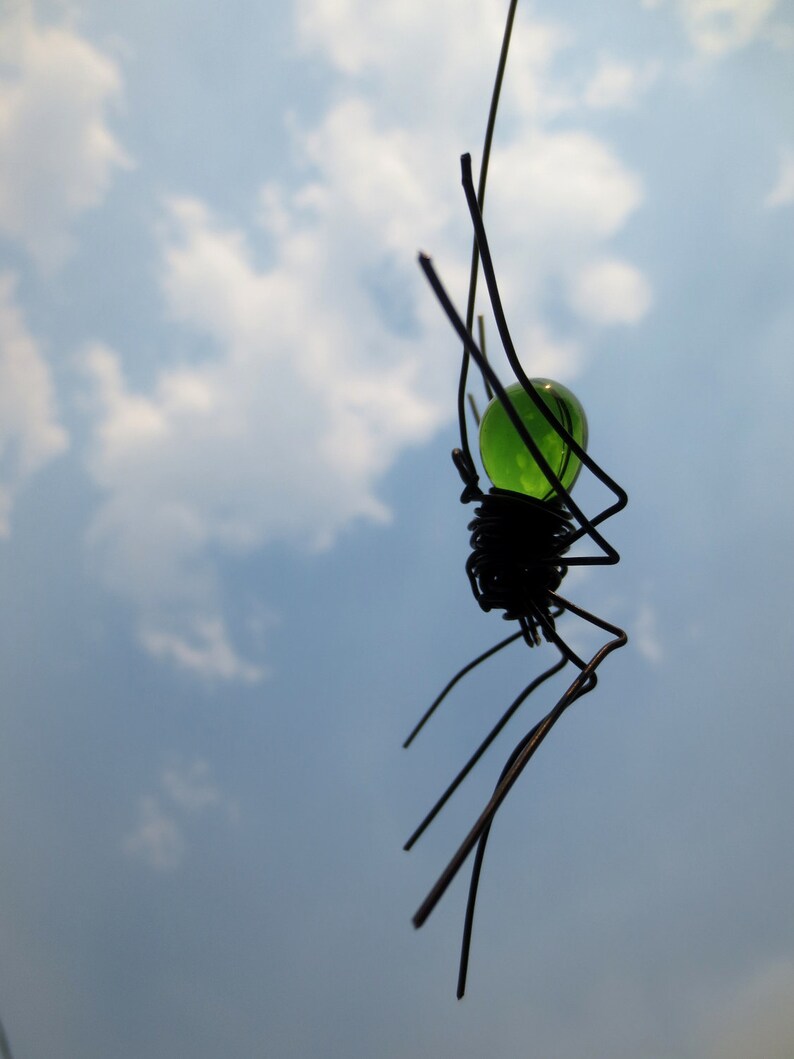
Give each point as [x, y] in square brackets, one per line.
[5, 1047]
[538, 734]
[586, 678]
[587, 525]
[468, 922]
[610, 555]
[461, 673]
[478, 753]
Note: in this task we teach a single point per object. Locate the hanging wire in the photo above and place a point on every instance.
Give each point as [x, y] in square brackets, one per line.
[5, 1047]
[475, 252]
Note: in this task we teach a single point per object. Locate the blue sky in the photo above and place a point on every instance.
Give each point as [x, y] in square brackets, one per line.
[232, 553]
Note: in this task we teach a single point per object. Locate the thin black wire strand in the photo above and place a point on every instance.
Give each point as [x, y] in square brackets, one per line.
[5, 1047]
[479, 856]
[610, 555]
[461, 673]
[587, 525]
[506, 783]
[484, 351]
[473, 350]
[587, 679]
[583, 683]
[475, 254]
[539, 732]
[478, 753]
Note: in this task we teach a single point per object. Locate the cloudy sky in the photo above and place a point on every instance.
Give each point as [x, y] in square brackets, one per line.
[231, 548]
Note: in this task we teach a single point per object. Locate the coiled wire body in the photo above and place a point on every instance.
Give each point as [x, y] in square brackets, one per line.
[516, 542]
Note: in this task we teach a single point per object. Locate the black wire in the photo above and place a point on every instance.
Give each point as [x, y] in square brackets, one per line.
[475, 253]
[610, 555]
[5, 1047]
[478, 753]
[587, 525]
[479, 856]
[461, 673]
[537, 604]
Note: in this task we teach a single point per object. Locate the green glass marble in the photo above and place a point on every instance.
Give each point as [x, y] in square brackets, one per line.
[508, 462]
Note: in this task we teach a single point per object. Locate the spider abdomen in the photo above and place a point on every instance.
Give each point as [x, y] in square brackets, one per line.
[507, 460]
[516, 543]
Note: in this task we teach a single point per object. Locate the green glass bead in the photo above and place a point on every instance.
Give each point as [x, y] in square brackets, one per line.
[508, 462]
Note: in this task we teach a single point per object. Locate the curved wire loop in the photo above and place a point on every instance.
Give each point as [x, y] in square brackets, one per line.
[621, 498]
[587, 526]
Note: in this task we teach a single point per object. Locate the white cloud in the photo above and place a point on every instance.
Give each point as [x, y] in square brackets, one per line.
[57, 154]
[782, 194]
[618, 84]
[645, 634]
[191, 786]
[325, 364]
[433, 53]
[550, 357]
[210, 655]
[611, 292]
[565, 191]
[717, 27]
[562, 195]
[156, 838]
[30, 435]
[282, 436]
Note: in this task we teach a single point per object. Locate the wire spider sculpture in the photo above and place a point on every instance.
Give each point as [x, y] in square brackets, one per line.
[533, 438]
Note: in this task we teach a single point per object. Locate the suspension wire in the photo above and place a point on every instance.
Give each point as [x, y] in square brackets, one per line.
[587, 678]
[475, 251]
[5, 1047]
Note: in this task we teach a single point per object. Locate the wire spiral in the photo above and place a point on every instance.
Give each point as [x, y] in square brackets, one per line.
[516, 543]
